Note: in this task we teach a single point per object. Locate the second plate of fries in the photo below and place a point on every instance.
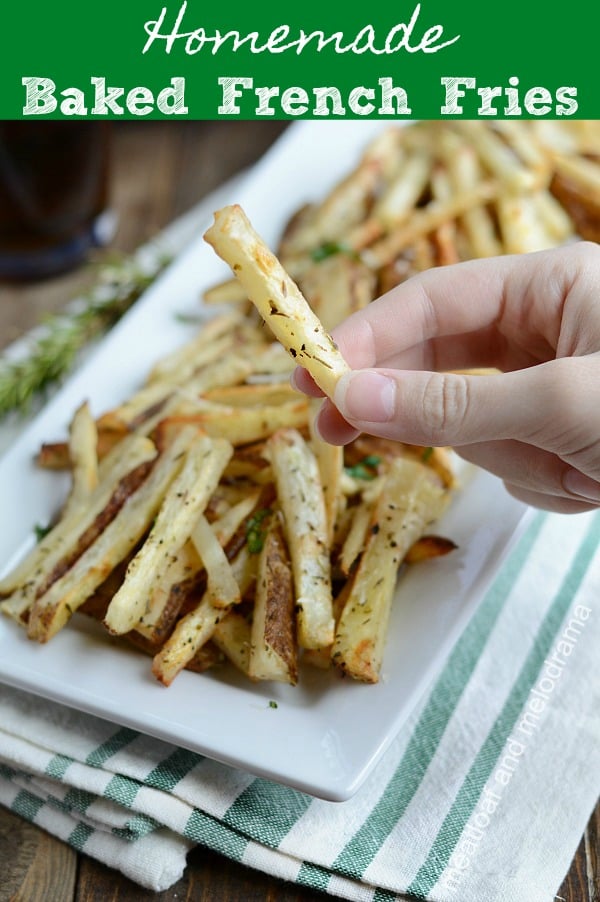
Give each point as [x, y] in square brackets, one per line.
[201, 536]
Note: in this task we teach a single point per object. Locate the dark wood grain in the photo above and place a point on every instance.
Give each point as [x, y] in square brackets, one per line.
[34, 866]
[159, 171]
[208, 878]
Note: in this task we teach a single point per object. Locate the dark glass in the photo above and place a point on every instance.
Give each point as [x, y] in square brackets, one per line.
[53, 193]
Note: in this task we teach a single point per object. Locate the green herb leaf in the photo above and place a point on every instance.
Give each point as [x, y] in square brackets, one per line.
[188, 319]
[364, 469]
[119, 284]
[41, 531]
[371, 460]
[330, 249]
[273, 704]
[426, 454]
[255, 531]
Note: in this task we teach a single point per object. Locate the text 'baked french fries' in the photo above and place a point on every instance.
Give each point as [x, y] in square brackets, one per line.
[207, 523]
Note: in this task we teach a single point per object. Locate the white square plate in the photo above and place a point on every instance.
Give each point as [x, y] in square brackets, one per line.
[327, 733]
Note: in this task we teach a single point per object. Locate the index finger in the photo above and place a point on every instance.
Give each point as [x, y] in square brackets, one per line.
[452, 316]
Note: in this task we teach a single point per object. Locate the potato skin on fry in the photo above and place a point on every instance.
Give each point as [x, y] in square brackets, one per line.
[273, 639]
[428, 547]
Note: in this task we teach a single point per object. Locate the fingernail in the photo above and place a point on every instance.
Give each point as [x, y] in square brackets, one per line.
[316, 427]
[366, 396]
[582, 486]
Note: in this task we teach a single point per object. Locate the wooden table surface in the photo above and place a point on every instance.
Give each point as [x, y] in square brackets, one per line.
[158, 172]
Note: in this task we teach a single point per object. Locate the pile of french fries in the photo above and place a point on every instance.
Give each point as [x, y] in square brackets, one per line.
[435, 193]
[206, 522]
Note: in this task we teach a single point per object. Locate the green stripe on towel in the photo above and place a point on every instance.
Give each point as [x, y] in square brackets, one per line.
[491, 750]
[360, 851]
[113, 744]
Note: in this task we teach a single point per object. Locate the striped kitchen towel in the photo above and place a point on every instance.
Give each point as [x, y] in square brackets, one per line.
[483, 796]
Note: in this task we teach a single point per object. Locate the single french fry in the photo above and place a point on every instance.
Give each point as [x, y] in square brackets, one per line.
[400, 198]
[330, 461]
[277, 298]
[83, 454]
[222, 588]
[321, 657]
[409, 500]
[273, 654]
[256, 395]
[232, 636]
[444, 236]
[354, 542]
[56, 456]
[301, 497]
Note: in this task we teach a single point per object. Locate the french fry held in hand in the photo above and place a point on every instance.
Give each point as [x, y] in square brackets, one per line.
[276, 297]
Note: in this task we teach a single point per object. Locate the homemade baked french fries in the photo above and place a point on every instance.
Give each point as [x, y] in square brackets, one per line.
[206, 522]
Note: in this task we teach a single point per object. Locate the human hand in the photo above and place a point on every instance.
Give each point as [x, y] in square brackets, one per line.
[535, 317]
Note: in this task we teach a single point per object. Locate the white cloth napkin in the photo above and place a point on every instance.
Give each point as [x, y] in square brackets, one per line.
[484, 794]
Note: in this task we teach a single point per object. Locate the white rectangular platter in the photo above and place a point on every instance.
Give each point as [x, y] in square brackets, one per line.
[326, 734]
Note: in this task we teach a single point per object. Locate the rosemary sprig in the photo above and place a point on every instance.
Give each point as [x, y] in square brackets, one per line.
[52, 355]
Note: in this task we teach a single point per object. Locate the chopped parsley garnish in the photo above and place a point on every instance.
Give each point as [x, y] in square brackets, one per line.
[371, 460]
[273, 704]
[365, 468]
[255, 531]
[188, 319]
[330, 249]
[426, 454]
[41, 531]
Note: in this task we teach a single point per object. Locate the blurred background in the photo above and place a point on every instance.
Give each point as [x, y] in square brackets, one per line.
[142, 174]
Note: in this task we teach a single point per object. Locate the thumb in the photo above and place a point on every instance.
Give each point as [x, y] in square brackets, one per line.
[541, 405]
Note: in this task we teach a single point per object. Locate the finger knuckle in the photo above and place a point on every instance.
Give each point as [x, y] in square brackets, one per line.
[446, 402]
